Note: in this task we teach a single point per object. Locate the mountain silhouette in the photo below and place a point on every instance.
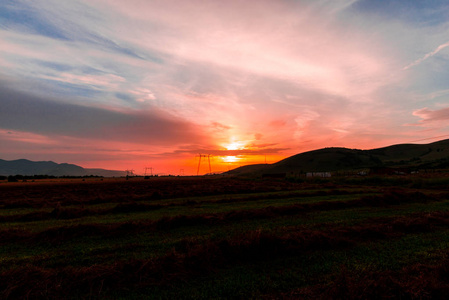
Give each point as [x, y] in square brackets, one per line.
[417, 156]
[30, 168]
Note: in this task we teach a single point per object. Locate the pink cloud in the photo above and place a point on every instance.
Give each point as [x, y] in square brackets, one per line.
[428, 115]
[295, 42]
[25, 137]
[278, 123]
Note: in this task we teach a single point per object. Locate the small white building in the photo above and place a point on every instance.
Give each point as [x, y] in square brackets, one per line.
[319, 174]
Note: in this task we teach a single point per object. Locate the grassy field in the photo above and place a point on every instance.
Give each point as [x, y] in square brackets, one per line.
[200, 238]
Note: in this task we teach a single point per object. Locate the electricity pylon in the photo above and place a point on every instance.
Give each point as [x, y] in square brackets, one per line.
[199, 162]
[151, 170]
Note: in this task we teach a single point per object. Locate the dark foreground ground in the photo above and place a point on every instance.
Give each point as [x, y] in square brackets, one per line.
[194, 238]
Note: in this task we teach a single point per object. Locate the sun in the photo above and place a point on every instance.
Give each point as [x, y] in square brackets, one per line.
[231, 146]
[235, 146]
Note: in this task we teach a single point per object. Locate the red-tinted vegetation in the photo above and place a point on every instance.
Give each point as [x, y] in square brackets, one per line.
[209, 243]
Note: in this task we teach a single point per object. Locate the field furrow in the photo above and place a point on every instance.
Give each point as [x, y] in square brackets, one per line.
[262, 240]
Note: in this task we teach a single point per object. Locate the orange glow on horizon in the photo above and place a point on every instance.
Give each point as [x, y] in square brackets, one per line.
[231, 159]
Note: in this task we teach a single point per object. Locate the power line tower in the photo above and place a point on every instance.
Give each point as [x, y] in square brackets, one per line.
[151, 171]
[129, 173]
[199, 162]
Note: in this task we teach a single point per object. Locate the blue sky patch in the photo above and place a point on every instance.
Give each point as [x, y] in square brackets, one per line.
[424, 13]
[22, 16]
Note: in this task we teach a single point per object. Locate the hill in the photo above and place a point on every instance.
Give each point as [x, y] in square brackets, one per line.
[419, 156]
[30, 168]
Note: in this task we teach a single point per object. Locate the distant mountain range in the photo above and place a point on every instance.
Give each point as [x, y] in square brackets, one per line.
[416, 156]
[412, 156]
[30, 168]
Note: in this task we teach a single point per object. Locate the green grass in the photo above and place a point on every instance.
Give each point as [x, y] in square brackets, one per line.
[207, 205]
[270, 276]
[281, 275]
[151, 243]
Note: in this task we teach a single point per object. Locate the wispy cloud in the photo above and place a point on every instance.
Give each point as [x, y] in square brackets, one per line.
[427, 56]
[25, 137]
[427, 115]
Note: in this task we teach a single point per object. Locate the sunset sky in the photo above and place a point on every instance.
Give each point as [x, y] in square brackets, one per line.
[139, 83]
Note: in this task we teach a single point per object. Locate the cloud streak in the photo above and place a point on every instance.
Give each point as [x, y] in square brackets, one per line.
[28, 113]
[427, 56]
[427, 115]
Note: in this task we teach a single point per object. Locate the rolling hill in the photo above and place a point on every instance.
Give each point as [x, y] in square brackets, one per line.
[30, 168]
[419, 156]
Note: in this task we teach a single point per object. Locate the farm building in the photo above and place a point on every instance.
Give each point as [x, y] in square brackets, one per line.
[319, 174]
